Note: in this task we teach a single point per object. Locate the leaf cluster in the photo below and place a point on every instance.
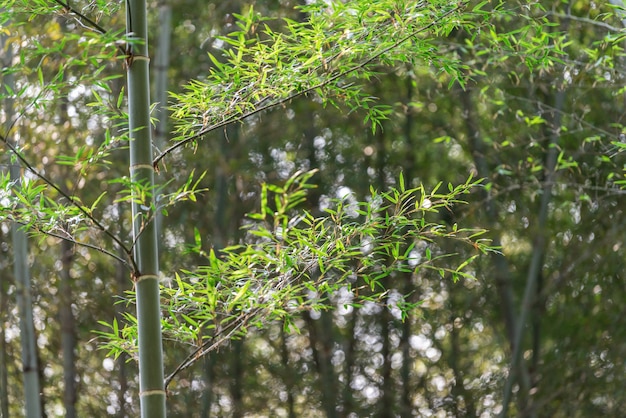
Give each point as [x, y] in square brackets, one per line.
[267, 63]
[292, 261]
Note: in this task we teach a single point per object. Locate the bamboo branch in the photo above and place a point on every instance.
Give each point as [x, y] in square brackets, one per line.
[81, 17]
[91, 24]
[304, 92]
[71, 200]
[128, 263]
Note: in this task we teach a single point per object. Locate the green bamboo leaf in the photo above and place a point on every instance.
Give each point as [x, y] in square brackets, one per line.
[240, 294]
[197, 238]
[465, 263]
[190, 320]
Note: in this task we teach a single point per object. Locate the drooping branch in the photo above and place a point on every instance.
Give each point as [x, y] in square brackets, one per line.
[72, 202]
[129, 263]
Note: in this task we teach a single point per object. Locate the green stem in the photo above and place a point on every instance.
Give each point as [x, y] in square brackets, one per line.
[151, 386]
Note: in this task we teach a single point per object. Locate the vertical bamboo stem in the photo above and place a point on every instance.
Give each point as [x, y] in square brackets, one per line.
[151, 386]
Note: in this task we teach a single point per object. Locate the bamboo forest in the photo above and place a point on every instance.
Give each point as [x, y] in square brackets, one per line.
[312, 208]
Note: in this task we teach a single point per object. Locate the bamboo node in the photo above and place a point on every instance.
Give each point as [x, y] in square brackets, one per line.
[139, 166]
[137, 57]
[146, 277]
[152, 392]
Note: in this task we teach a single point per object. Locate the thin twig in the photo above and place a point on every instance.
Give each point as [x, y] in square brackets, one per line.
[92, 25]
[80, 244]
[586, 20]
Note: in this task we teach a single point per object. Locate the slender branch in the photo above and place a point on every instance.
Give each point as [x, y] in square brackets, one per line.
[81, 17]
[288, 98]
[128, 263]
[585, 20]
[208, 346]
[234, 326]
[71, 200]
[91, 24]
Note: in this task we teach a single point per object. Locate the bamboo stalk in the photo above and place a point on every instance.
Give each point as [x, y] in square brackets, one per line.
[151, 387]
